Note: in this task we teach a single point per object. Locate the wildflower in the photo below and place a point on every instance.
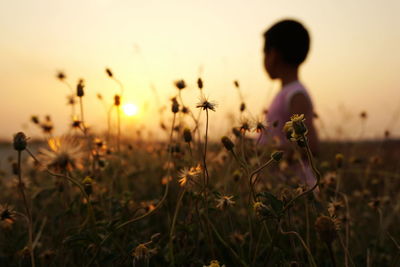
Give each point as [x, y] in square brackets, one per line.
[237, 237]
[327, 228]
[7, 213]
[75, 122]
[87, 185]
[245, 126]
[259, 208]
[295, 129]
[375, 204]
[205, 104]
[334, 207]
[64, 153]
[224, 202]
[228, 144]
[109, 73]
[47, 125]
[79, 88]
[260, 127]
[143, 252]
[166, 179]
[237, 174]
[214, 263]
[20, 141]
[98, 142]
[200, 83]
[187, 135]
[180, 84]
[188, 175]
[339, 160]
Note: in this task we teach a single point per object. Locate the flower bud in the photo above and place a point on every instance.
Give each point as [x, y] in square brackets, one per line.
[79, 88]
[175, 106]
[109, 73]
[35, 119]
[200, 83]
[180, 84]
[277, 155]
[242, 107]
[228, 144]
[20, 141]
[117, 100]
[339, 160]
[187, 135]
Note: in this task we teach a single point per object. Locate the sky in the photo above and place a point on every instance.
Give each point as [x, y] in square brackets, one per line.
[353, 65]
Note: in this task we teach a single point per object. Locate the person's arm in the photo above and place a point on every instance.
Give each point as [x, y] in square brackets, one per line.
[299, 104]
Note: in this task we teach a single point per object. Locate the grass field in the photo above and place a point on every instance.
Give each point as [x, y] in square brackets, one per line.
[91, 199]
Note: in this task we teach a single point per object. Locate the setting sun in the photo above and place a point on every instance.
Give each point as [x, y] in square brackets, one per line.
[130, 109]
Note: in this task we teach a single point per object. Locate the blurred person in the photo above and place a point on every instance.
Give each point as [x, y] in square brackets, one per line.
[286, 47]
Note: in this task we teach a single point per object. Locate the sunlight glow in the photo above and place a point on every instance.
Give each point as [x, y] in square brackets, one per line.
[130, 109]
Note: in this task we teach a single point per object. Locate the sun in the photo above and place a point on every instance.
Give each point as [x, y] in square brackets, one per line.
[130, 109]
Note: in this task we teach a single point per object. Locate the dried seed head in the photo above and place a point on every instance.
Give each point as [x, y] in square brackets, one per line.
[180, 84]
[117, 100]
[236, 83]
[187, 135]
[200, 83]
[109, 72]
[205, 104]
[228, 144]
[79, 88]
[20, 141]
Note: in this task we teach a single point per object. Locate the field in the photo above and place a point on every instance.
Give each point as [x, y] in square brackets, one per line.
[104, 199]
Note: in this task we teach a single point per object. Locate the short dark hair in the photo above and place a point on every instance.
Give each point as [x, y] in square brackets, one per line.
[290, 39]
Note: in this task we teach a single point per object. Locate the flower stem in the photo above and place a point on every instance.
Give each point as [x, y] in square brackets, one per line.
[28, 211]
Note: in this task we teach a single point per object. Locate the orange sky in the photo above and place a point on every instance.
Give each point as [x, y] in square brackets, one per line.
[353, 65]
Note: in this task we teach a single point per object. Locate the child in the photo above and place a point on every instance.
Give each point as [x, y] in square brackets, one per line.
[286, 47]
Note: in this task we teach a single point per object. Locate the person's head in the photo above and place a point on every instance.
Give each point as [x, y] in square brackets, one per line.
[286, 46]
